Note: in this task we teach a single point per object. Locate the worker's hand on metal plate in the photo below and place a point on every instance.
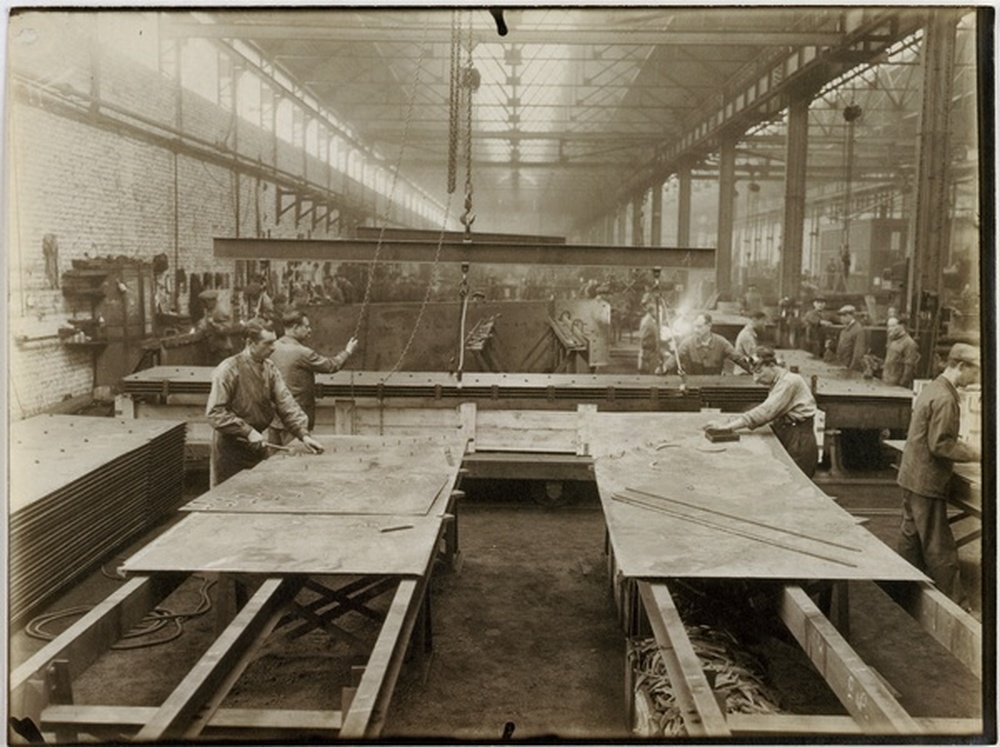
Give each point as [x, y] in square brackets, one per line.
[314, 446]
[715, 425]
[256, 440]
[351, 345]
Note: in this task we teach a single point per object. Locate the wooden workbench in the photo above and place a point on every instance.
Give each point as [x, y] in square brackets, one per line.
[366, 518]
[678, 506]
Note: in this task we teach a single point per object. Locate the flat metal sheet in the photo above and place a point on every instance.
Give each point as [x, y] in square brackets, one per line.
[837, 381]
[752, 480]
[374, 454]
[277, 544]
[384, 492]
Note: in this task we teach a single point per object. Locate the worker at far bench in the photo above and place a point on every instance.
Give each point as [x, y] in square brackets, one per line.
[790, 408]
[704, 351]
[852, 344]
[299, 364]
[247, 393]
[932, 447]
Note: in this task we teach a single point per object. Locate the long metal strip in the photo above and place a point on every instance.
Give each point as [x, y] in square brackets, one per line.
[492, 252]
[701, 712]
[860, 690]
[255, 619]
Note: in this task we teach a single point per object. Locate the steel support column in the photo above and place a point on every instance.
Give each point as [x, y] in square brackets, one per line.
[930, 218]
[795, 197]
[724, 239]
[656, 216]
[637, 219]
[684, 202]
[621, 214]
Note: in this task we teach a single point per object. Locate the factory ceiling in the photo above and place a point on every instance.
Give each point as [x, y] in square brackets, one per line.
[578, 109]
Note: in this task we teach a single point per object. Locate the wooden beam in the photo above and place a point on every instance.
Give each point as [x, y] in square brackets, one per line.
[112, 720]
[89, 637]
[948, 623]
[484, 252]
[253, 621]
[367, 712]
[702, 715]
[802, 725]
[858, 687]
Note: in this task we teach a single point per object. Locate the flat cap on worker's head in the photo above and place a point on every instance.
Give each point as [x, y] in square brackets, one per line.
[962, 352]
[209, 295]
[847, 309]
[821, 299]
[765, 357]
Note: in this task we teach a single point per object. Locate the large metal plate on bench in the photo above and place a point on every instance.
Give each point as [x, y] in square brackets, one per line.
[325, 492]
[728, 510]
[277, 544]
[402, 455]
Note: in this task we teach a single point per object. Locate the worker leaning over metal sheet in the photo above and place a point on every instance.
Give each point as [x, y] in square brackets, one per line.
[704, 351]
[299, 364]
[790, 408]
[247, 394]
[932, 447]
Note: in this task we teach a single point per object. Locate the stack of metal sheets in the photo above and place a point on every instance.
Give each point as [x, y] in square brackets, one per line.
[80, 488]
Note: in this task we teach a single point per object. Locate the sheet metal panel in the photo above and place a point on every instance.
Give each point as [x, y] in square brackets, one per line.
[752, 480]
[370, 492]
[277, 544]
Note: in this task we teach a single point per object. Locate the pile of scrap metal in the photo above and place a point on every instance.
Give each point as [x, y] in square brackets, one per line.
[736, 677]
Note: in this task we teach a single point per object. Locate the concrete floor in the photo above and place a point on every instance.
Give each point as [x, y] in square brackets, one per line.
[526, 634]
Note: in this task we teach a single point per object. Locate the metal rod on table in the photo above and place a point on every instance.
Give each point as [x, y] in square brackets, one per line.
[744, 519]
[723, 528]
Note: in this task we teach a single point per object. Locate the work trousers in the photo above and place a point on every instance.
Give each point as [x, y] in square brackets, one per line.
[230, 455]
[799, 440]
[926, 541]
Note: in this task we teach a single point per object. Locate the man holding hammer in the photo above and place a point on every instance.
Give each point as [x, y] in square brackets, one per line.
[247, 394]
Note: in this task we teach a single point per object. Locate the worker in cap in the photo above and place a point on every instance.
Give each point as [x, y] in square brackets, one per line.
[789, 409]
[816, 323]
[650, 345]
[852, 343]
[932, 447]
[901, 355]
[215, 327]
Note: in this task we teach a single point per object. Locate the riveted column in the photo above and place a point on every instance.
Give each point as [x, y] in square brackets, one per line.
[793, 231]
[684, 203]
[656, 216]
[724, 239]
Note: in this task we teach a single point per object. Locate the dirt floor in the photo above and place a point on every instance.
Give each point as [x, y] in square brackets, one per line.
[526, 635]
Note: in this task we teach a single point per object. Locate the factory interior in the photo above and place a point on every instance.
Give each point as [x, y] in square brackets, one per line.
[493, 373]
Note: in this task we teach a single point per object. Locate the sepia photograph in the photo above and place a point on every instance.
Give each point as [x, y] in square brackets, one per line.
[468, 374]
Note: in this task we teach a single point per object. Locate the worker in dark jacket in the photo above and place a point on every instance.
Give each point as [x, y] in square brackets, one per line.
[901, 355]
[704, 351]
[299, 364]
[853, 342]
[932, 447]
[215, 327]
[650, 347]
[790, 408]
[247, 393]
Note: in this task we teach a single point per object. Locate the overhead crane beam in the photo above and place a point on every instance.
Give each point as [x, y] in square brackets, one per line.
[492, 252]
[535, 35]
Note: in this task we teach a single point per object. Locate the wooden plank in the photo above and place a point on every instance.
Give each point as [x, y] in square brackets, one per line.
[367, 712]
[948, 623]
[802, 725]
[527, 430]
[859, 689]
[183, 704]
[91, 636]
[118, 719]
[701, 712]
[537, 466]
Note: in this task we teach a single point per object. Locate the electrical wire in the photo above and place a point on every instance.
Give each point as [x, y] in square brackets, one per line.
[155, 620]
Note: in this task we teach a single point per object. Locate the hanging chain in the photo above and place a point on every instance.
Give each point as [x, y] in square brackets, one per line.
[453, 101]
[471, 83]
[384, 221]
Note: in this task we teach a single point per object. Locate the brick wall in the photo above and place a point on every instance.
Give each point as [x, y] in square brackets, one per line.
[102, 189]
